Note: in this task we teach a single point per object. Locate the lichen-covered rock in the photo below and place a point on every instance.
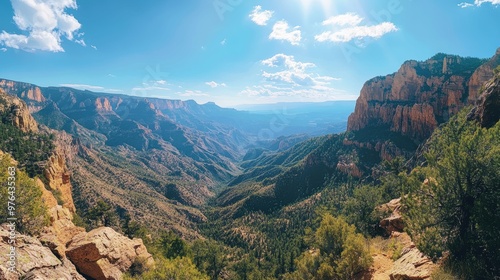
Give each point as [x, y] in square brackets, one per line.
[104, 254]
[33, 260]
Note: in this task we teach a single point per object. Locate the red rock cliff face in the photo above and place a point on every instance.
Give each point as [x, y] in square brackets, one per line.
[25, 91]
[421, 95]
[482, 75]
[18, 112]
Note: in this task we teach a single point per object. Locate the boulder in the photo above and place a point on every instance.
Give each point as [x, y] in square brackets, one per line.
[104, 254]
[33, 260]
[393, 223]
[61, 231]
[412, 265]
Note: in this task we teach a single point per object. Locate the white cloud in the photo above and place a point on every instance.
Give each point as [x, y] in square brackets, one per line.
[275, 94]
[43, 23]
[90, 87]
[493, 2]
[3, 49]
[280, 32]
[81, 42]
[478, 3]
[150, 88]
[158, 85]
[113, 90]
[287, 61]
[94, 47]
[192, 93]
[213, 84]
[293, 73]
[465, 5]
[223, 42]
[347, 27]
[82, 86]
[289, 80]
[343, 20]
[260, 17]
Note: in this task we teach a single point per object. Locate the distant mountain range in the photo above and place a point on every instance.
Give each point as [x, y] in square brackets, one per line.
[179, 150]
[256, 179]
[394, 116]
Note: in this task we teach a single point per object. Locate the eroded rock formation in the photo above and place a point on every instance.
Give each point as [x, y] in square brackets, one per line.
[45, 256]
[105, 254]
[34, 261]
[61, 232]
[486, 110]
[58, 177]
[394, 222]
[396, 113]
[18, 112]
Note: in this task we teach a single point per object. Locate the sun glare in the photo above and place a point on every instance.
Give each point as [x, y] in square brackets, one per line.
[326, 5]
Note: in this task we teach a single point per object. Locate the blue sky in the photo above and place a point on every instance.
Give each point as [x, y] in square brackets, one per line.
[234, 51]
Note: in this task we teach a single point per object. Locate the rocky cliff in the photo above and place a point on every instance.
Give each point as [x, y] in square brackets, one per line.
[62, 249]
[57, 173]
[65, 251]
[421, 95]
[16, 112]
[25, 90]
[486, 110]
[409, 104]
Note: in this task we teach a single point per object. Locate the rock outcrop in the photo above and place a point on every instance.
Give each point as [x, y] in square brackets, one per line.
[103, 105]
[105, 254]
[486, 111]
[412, 265]
[396, 113]
[414, 100]
[482, 75]
[17, 112]
[58, 177]
[33, 260]
[23, 90]
[99, 254]
[61, 232]
[393, 223]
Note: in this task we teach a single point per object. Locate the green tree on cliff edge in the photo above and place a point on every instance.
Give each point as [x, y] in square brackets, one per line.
[26, 201]
[456, 209]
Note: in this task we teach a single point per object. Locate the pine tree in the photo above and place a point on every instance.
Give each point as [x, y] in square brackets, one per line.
[453, 203]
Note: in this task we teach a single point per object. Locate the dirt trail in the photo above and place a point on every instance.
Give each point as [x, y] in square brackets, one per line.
[381, 267]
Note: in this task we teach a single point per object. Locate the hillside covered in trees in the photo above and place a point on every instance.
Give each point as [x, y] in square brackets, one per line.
[295, 208]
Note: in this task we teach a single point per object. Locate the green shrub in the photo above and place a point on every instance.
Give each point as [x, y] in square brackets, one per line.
[342, 252]
[175, 269]
[27, 203]
[452, 204]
